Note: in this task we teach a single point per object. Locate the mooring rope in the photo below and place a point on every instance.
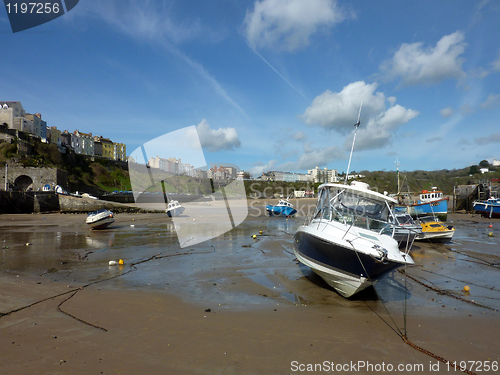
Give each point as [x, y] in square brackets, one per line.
[484, 262]
[74, 317]
[404, 336]
[74, 291]
[442, 291]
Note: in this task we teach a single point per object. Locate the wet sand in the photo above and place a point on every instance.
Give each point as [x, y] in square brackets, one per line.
[232, 305]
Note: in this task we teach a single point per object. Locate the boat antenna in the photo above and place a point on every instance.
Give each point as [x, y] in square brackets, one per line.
[353, 140]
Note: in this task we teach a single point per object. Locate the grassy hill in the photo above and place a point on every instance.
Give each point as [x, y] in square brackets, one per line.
[107, 175]
[416, 181]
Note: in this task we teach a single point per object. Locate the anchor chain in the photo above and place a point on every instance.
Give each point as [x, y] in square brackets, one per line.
[441, 291]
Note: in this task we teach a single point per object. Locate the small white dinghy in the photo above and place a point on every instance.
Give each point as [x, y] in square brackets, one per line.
[174, 208]
[100, 219]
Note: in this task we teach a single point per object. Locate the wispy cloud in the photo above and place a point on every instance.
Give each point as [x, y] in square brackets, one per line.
[495, 65]
[492, 138]
[154, 22]
[313, 157]
[279, 74]
[493, 101]
[446, 112]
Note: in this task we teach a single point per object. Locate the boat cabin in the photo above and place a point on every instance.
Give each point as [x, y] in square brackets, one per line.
[349, 205]
[285, 203]
[429, 196]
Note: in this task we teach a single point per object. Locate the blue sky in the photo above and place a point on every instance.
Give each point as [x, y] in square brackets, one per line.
[271, 84]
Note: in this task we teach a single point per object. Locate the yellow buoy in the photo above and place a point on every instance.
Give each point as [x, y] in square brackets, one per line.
[260, 232]
[490, 234]
[120, 262]
[254, 236]
[466, 288]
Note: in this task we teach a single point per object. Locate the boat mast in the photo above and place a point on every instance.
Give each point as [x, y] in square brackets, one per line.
[353, 140]
[397, 166]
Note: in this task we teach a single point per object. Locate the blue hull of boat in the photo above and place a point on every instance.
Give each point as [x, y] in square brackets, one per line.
[487, 210]
[438, 208]
[280, 210]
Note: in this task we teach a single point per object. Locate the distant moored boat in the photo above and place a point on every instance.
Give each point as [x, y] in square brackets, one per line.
[100, 219]
[488, 208]
[283, 208]
[430, 203]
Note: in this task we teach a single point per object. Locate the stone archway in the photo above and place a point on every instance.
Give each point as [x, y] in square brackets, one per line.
[22, 183]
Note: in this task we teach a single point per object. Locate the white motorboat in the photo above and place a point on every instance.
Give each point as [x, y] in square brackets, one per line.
[348, 241]
[174, 208]
[406, 230]
[100, 219]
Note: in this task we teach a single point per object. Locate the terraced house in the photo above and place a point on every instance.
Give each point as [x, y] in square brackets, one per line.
[13, 116]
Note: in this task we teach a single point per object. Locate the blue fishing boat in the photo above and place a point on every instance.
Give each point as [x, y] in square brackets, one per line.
[283, 208]
[488, 208]
[430, 203]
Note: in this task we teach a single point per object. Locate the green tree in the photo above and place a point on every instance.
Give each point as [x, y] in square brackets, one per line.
[484, 164]
[473, 169]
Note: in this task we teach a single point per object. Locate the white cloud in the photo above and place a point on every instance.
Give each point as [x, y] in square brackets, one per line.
[217, 140]
[289, 24]
[491, 102]
[415, 64]
[380, 129]
[391, 100]
[339, 111]
[310, 158]
[446, 112]
[261, 168]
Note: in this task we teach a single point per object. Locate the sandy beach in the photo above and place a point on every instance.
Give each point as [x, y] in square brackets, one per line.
[234, 304]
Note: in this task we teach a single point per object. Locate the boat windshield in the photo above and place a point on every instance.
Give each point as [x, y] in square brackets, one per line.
[404, 219]
[428, 219]
[352, 208]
